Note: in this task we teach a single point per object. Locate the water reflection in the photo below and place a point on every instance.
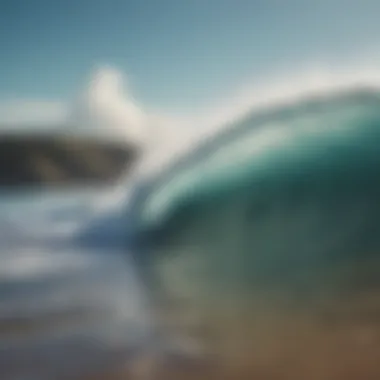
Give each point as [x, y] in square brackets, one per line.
[64, 309]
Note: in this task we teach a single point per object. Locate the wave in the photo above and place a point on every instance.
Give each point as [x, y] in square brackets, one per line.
[328, 133]
[295, 189]
[282, 206]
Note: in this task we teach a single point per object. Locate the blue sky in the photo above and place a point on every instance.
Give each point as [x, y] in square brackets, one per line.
[164, 71]
[177, 53]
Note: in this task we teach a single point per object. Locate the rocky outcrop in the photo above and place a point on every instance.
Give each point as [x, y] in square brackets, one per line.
[61, 161]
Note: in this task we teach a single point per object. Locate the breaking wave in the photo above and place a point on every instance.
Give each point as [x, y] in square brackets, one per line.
[293, 189]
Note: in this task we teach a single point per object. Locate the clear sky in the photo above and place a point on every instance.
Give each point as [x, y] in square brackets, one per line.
[176, 53]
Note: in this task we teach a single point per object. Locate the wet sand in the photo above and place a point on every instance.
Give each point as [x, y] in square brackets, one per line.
[328, 331]
[333, 339]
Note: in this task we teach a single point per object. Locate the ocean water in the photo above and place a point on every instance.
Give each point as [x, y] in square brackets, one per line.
[71, 302]
[263, 245]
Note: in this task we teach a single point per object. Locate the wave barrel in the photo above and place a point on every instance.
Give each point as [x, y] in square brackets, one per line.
[263, 246]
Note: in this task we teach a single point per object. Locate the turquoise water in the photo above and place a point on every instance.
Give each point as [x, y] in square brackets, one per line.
[279, 214]
[306, 142]
[301, 187]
